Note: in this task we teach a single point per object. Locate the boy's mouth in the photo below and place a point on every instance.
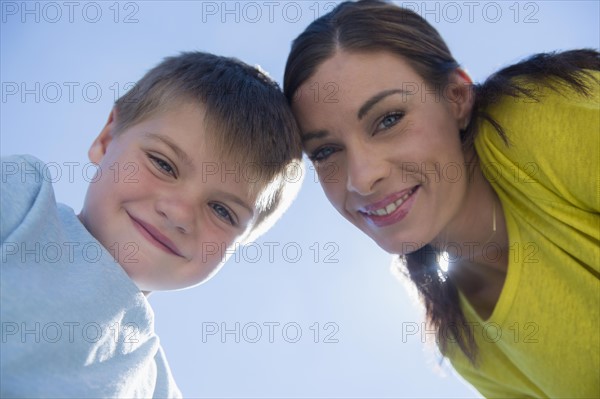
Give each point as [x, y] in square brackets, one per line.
[155, 237]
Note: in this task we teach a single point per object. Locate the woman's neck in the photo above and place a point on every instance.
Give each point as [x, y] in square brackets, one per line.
[476, 242]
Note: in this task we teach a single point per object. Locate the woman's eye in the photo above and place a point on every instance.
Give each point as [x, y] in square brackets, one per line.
[321, 154]
[162, 165]
[223, 213]
[390, 120]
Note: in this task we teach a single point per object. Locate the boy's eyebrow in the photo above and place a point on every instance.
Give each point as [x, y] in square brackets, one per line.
[173, 146]
[239, 201]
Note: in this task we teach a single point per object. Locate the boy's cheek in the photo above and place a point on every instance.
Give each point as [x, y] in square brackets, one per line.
[212, 253]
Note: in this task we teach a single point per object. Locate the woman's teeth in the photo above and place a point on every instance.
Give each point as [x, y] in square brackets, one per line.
[391, 207]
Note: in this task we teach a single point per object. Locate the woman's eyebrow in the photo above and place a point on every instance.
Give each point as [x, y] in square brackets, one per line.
[319, 134]
[376, 98]
[366, 107]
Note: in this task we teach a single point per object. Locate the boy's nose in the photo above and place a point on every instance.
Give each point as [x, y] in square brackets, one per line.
[180, 214]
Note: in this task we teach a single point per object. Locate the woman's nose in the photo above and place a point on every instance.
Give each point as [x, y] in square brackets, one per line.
[366, 167]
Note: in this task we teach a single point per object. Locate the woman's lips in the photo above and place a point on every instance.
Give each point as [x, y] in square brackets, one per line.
[155, 237]
[391, 209]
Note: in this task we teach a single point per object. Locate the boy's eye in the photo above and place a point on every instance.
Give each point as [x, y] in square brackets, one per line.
[162, 165]
[223, 213]
[390, 120]
[321, 153]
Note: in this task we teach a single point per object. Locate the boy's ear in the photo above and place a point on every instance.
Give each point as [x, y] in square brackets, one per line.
[100, 144]
[461, 96]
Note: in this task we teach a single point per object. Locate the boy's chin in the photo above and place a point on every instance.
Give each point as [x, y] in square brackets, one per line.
[148, 288]
[147, 284]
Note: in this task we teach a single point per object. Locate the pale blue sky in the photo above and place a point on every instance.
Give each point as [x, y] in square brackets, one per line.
[61, 68]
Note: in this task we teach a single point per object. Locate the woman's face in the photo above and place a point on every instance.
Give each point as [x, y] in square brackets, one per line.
[386, 146]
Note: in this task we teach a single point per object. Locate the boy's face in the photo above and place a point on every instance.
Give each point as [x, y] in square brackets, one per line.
[163, 203]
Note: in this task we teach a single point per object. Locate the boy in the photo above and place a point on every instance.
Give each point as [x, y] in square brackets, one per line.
[192, 159]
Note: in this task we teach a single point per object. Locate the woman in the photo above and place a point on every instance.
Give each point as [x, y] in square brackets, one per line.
[499, 180]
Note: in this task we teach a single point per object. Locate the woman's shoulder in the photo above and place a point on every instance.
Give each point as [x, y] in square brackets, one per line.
[555, 111]
[551, 99]
[552, 137]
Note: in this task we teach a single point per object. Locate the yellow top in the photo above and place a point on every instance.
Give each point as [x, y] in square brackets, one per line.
[542, 339]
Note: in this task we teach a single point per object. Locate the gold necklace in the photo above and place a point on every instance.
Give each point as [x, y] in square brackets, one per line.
[493, 223]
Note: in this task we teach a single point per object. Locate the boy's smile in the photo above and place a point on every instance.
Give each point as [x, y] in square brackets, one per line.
[155, 236]
[154, 206]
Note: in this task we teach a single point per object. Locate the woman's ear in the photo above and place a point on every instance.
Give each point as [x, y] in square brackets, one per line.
[100, 144]
[460, 95]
